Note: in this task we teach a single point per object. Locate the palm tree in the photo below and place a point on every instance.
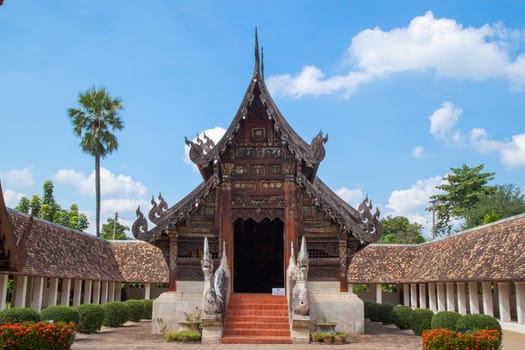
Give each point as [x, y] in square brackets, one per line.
[93, 122]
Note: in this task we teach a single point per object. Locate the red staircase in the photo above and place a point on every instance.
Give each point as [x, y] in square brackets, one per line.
[257, 319]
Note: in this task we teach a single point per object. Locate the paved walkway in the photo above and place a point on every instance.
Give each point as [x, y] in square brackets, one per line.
[137, 335]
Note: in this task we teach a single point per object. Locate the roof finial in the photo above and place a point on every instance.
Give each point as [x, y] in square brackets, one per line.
[262, 61]
[257, 59]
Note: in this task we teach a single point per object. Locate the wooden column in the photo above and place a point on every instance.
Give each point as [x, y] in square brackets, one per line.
[172, 261]
[3, 291]
[290, 233]
[226, 224]
[343, 265]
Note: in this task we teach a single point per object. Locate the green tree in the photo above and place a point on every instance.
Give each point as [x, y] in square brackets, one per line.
[76, 219]
[109, 226]
[399, 230]
[462, 192]
[23, 205]
[35, 204]
[504, 201]
[49, 207]
[94, 122]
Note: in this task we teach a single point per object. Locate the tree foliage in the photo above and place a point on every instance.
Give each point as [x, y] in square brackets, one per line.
[94, 121]
[398, 230]
[48, 209]
[504, 201]
[462, 192]
[109, 226]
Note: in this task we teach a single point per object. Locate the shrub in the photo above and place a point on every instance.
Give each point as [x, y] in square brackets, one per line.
[135, 309]
[59, 313]
[148, 309]
[477, 322]
[115, 314]
[41, 336]
[19, 314]
[401, 316]
[373, 312]
[420, 320]
[446, 339]
[385, 313]
[183, 336]
[445, 319]
[90, 317]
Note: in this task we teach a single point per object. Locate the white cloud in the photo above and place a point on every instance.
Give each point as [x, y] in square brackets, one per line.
[438, 45]
[214, 133]
[17, 177]
[512, 153]
[353, 196]
[419, 152]
[110, 184]
[12, 198]
[411, 202]
[442, 123]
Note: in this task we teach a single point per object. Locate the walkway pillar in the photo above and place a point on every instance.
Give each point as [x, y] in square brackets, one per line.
[422, 295]
[96, 292]
[473, 297]
[440, 286]
[104, 292]
[77, 292]
[52, 292]
[488, 306]
[118, 291]
[20, 289]
[4, 279]
[451, 297]
[413, 295]
[147, 291]
[462, 298]
[406, 294]
[38, 293]
[111, 291]
[432, 296]
[504, 301]
[66, 289]
[87, 291]
[520, 301]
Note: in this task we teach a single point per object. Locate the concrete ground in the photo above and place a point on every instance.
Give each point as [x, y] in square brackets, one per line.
[137, 335]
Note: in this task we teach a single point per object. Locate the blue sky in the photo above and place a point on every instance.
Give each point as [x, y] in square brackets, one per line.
[405, 90]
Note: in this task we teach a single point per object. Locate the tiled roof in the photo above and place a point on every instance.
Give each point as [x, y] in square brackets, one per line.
[490, 252]
[140, 262]
[57, 251]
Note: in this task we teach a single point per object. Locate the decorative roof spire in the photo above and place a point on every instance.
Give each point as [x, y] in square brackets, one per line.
[257, 68]
[262, 61]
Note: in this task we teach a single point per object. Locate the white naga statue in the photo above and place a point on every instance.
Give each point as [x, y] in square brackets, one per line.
[215, 285]
[300, 302]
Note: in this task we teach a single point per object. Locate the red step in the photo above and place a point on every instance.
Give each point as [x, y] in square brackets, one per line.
[256, 319]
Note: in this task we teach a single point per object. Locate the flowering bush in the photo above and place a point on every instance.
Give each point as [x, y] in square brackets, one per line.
[37, 336]
[445, 339]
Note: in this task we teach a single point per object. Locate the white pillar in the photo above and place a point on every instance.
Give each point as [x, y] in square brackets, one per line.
[77, 292]
[413, 295]
[111, 291]
[96, 292]
[104, 292]
[441, 296]
[488, 306]
[473, 297]
[118, 291]
[432, 296]
[38, 293]
[451, 297]
[52, 292]
[520, 301]
[462, 299]
[379, 294]
[504, 301]
[20, 289]
[87, 291]
[406, 294]
[4, 279]
[66, 288]
[422, 296]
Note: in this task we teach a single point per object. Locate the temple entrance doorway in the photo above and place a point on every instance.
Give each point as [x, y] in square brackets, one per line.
[258, 256]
